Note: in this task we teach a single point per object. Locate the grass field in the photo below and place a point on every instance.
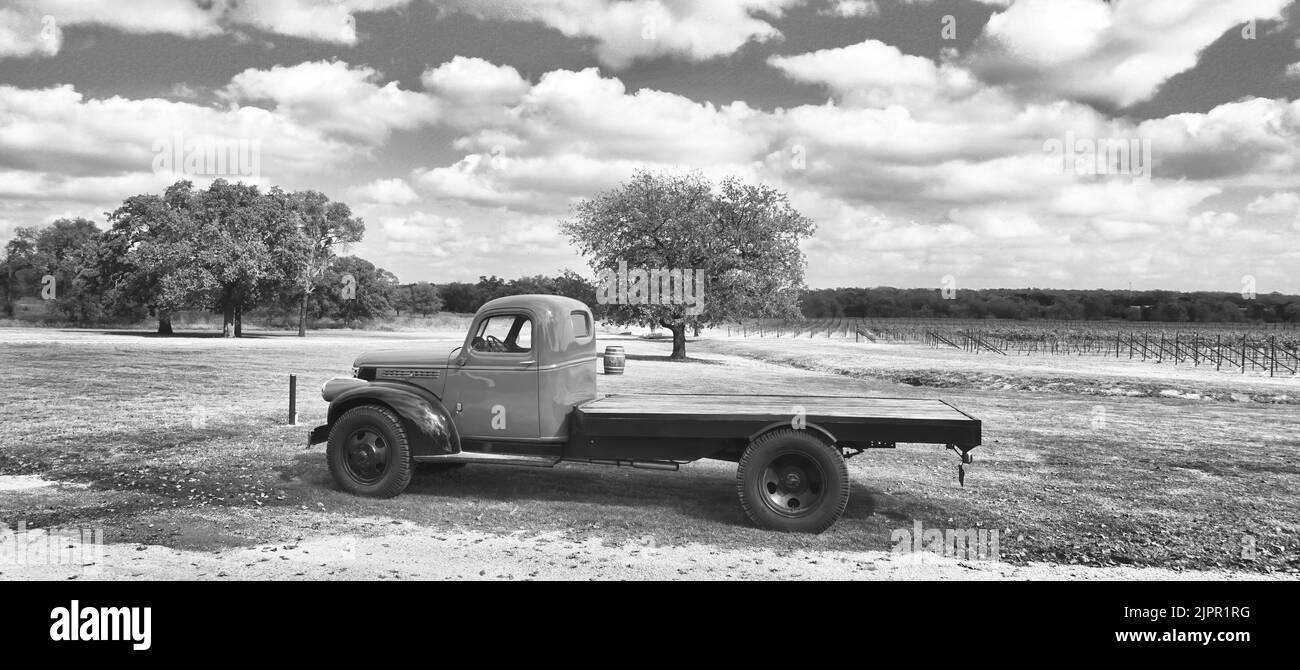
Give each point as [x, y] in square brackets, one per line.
[182, 443]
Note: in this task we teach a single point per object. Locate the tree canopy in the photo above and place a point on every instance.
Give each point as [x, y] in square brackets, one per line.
[669, 232]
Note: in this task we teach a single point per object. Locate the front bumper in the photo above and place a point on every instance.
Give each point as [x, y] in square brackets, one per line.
[318, 434]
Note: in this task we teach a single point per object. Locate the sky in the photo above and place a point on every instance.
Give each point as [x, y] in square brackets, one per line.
[962, 143]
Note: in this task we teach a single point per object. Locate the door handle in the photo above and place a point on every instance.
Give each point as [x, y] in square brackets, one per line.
[527, 362]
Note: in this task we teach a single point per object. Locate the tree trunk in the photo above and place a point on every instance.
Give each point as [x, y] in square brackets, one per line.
[679, 339]
[164, 323]
[239, 321]
[302, 315]
[228, 318]
[9, 291]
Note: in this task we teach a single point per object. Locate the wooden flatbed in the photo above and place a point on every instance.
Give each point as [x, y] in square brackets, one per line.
[687, 425]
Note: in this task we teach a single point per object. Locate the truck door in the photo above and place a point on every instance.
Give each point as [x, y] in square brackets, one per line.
[495, 387]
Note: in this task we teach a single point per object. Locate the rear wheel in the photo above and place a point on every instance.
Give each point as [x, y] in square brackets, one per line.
[792, 480]
[368, 452]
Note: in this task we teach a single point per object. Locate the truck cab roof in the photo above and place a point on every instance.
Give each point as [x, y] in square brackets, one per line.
[537, 303]
[563, 328]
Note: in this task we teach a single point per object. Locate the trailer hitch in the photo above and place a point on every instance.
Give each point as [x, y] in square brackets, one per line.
[964, 458]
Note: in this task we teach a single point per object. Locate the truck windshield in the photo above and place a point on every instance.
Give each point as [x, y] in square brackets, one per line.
[504, 333]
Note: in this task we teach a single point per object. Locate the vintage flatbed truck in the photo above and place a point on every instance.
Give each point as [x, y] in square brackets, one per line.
[521, 390]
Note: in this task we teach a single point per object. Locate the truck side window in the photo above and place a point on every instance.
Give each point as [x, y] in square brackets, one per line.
[504, 334]
[581, 325]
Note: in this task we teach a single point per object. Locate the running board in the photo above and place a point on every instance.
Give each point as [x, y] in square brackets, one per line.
[490, 458]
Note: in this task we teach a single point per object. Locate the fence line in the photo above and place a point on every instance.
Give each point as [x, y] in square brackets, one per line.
[1227, 346]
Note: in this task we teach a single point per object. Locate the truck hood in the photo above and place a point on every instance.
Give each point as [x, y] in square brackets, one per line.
[436, 355]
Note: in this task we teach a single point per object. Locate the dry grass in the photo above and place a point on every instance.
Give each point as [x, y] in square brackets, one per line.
[1164, 481]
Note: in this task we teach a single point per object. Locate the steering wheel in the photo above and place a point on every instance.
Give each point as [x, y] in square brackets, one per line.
[493, 344]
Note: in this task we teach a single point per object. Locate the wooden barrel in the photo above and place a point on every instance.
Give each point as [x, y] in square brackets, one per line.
[615, 359]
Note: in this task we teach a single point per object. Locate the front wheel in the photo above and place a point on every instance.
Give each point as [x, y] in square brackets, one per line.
[791, 480]
[368, 452]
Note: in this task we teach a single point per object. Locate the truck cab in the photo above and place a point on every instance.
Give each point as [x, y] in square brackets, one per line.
[526, 362]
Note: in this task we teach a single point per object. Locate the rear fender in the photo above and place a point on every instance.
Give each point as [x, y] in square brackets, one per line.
[430, 427]
[810, 427]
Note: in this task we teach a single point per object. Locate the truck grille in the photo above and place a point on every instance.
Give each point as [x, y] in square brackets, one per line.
[407, 373]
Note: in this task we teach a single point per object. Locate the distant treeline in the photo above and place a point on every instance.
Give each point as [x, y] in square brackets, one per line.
[232, 249]
[87, 280]
[178, 252]
[1091, 305]
[467, 298]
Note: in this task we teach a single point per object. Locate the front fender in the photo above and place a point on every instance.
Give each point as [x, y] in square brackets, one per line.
[429, 425]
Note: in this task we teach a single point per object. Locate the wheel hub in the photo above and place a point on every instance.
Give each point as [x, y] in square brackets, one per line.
[792, 484]
[367, 455]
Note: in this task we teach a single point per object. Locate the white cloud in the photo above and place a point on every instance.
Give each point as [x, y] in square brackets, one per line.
[423, 235]
[1127, 200]
[385, 192]
[1216, 225]
[335, 98]
[1285, 202]
[474, 81]
[626, 31]
[1002, 223]
[28, 33]
[317, 20]
[1118, 52]
[61, 131]
[1249, 138]
[48, 187]
[1293, 70]
[472, 89]
[23, 23]
[535, 184]
[851, 8]
[582, 112]
[870, 71]
[1050, 33]
[60, 148]
[623, 31]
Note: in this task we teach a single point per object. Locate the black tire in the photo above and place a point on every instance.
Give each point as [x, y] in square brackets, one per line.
[368, 452]
[792, 481]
